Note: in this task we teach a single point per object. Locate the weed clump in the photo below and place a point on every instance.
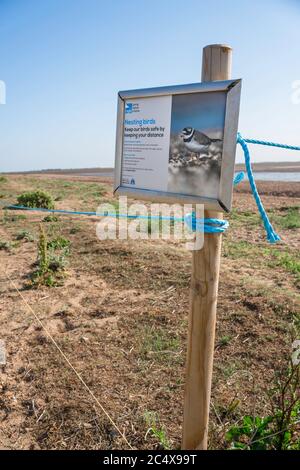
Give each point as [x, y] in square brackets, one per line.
[51, 261]
[38, 199]
[50, 218]
[59, 243]
[279, 430]
[156, 429]
[25, 235]
[4, 245]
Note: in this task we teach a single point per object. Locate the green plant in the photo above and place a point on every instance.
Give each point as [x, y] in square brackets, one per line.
[39, 199]
[290, 262]
[3, 179]
[57, 263]
[253, 434]
[285, 404]
[245, 218]
[4, 245]
[160, 344]
[59, 243]
[238, 249]
[49, 280]
[75, 229]
[43, 256]
[156, 429]
[278, 430]
[50, 218]
[25, 235]
[50, 265]
[290, 220]
[224, 340]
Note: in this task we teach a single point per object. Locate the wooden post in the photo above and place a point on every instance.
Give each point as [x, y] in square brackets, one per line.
[216, 65]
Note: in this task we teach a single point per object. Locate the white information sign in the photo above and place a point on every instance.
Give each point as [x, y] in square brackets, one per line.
[177, 144]
[146, 142]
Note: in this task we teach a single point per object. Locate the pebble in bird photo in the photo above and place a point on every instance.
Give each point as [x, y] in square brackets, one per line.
[196, 143]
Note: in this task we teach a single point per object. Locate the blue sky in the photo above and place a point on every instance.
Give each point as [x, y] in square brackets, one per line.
[205, 112]
[63, 62]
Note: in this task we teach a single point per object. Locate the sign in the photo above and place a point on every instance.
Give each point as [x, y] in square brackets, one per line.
[177, 144]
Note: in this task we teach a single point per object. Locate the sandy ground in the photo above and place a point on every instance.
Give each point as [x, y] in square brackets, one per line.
[120, 316]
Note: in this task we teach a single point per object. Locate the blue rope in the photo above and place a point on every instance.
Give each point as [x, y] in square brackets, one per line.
[39, 209]
[206, 225]
[203, 225]
[61, 211]
[238, 178]
[271, 234]
[271, 144]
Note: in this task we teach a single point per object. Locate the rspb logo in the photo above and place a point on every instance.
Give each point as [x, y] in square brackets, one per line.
[131, 108]
[132, 181]
[128, 108]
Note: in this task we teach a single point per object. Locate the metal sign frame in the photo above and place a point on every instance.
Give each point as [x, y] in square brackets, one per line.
[232, 88]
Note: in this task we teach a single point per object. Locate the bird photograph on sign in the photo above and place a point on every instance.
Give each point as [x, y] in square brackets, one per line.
[196, 143]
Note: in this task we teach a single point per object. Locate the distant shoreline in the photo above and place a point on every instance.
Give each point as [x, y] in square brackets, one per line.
[272, 167]
[280, 188]
[287, 167]
[59, 171]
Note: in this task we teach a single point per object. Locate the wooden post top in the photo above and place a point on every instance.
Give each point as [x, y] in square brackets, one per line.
[218, 46]
[216, 62]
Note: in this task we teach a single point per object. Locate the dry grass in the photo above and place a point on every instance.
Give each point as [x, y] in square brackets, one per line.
[121, 318]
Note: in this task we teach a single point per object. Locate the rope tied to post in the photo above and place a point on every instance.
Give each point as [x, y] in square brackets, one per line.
[272, 236]
[220, 226]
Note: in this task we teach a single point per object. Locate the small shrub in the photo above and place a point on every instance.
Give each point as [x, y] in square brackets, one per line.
[38, 199]
[3, 179]
[224, 340]
[74, 230]
[279, 430]
[25, 235]
[50, 265]
[5, 245]
[156, 429]
[59, 243]
[50, 218]
[43, 257]
[49, 280]
[253, 434]
[57, 263]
